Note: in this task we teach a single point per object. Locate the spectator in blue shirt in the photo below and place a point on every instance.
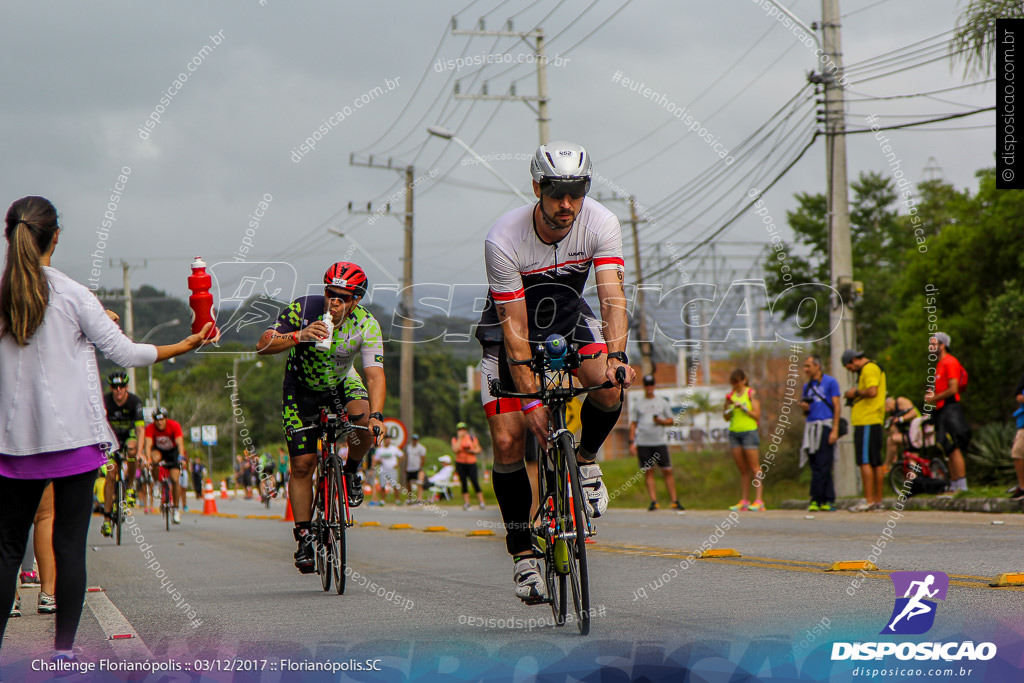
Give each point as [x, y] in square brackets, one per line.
[820, 403]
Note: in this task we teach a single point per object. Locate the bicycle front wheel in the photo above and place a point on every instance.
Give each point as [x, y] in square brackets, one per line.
[165, 494]
[578, 578]
[324, 557]
[336, 525]
[552, 520]
[118, 508]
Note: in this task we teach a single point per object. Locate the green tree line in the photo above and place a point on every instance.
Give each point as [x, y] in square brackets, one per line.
[932, 258]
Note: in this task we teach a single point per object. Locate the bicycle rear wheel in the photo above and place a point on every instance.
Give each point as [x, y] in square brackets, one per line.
[552, 520]
[940, 470]
[118, 509]
[336, 527]
[578, 578]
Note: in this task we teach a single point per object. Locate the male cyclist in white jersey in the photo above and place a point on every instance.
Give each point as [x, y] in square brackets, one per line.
[538, 261]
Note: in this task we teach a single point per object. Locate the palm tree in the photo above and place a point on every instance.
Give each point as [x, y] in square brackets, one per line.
[975, 37]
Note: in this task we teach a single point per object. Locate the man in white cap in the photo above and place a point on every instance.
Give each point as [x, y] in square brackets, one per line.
[648, 418]
[951, 430]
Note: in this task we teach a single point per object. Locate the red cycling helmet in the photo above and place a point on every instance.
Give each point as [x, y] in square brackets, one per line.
[348, 276]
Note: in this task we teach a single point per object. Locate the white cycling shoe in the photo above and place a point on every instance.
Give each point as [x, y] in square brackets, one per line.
[529, 585]
[594, 489]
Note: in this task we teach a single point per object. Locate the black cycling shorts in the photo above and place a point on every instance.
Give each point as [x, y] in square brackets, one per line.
[301, 413]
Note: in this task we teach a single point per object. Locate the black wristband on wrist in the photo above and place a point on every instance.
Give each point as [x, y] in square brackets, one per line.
[619, 355]
[377, 416]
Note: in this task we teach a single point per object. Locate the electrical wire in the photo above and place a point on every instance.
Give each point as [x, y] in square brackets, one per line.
[699, 96]
[920, 123]
[865, 97]
[858, 11]
[677, 259]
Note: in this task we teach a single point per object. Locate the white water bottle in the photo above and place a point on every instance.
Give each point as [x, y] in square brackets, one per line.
[325, 343]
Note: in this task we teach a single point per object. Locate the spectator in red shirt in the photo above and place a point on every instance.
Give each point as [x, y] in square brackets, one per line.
[951, 429]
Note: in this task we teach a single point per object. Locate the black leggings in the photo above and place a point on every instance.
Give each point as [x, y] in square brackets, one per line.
[467, 473]
[72, 502]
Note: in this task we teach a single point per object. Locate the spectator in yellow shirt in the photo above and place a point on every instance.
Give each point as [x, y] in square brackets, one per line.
[867, 418]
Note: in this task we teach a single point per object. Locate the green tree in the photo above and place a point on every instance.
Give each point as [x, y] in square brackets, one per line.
[881, 245]
[972, 268]
[973, 44]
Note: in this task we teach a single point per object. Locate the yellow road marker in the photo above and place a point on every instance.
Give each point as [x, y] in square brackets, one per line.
[369, 524]
[481, 532]
[853, 566]
[436, 528]
[719, 552]
[400, 526]
[1009, 579]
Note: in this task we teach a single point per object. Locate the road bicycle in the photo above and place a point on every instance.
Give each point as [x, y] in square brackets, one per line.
[331, 512]
[268, 488]
[561, 525]
[166, 503]
[913, 461]
[118, 509]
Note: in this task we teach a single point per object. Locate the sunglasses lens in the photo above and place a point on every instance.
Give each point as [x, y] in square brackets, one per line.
[558, 189]
[343, 296]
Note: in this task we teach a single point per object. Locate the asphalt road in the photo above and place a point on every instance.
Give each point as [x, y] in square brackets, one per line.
[423, 605]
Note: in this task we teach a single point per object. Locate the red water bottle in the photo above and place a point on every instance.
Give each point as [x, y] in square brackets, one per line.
[201, 300]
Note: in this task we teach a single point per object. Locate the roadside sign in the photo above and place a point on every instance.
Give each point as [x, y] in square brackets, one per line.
[397, 431]
[209, 435]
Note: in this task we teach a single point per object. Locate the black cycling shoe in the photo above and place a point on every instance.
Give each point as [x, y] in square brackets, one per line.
[305, 561]
[354, 483]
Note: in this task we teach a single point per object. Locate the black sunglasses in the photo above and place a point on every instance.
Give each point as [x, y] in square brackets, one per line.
[344, 296]
[558, 188]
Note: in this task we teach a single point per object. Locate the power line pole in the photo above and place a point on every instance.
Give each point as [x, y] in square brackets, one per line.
[541, 98]
[407, 358]
[840, 246]
[129, 313]
[646, 347]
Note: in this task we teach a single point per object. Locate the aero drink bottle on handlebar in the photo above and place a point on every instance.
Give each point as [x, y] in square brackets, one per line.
[201, 301]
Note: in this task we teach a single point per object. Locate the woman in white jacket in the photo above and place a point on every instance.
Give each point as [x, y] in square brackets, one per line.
[53, 426]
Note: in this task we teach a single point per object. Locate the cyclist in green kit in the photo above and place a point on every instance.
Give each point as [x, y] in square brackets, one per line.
[318, 378]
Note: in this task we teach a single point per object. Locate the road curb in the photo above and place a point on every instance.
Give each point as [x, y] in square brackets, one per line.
[991, 505]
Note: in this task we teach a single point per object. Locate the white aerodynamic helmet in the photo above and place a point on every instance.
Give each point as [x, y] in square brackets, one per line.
[560, 160]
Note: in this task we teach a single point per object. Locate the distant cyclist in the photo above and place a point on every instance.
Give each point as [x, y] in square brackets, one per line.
[165, 447]
[124, 413]
[315, 379]
[538, 259]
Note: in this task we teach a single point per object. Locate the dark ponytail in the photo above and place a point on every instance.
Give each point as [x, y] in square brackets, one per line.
[24, 290]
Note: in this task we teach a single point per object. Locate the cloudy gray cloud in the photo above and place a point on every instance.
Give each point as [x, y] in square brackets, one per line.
[80, 80]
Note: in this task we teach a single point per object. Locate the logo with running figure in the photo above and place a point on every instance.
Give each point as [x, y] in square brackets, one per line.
[914, 612]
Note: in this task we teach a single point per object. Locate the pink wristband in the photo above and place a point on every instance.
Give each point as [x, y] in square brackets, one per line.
[532, 405]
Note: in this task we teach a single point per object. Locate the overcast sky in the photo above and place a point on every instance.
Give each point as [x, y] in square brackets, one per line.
[80, 79]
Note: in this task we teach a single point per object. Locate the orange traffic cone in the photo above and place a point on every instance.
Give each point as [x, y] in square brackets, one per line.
[209, 503]
[288, 516]
[223, 489]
